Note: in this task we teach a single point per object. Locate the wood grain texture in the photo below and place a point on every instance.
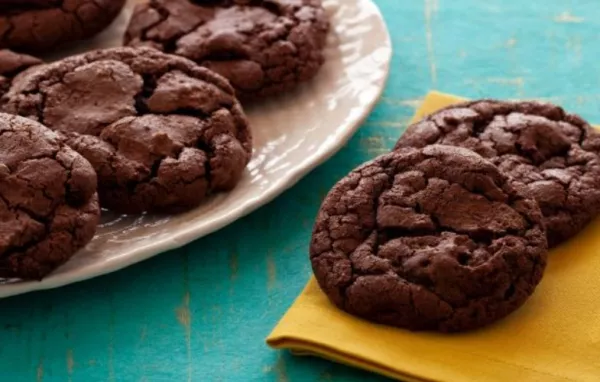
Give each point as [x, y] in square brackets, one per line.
[201, 313]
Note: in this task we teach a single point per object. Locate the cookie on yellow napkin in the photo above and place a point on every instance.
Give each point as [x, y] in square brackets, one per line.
[555, 336]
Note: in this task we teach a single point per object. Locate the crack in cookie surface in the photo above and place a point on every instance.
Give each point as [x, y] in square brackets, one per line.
[263, 47]
[40, 25]
[36, 25]
[162, 133]
[436, 238]
[48, 202]
[554, 153]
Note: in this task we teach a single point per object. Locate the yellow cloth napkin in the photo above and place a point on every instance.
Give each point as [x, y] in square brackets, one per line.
[555, 336]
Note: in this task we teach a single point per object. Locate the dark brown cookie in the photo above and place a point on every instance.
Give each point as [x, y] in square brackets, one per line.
[41, 25]
[161, 132]
[554, 153]
[48, 202]
[11, 64]
[263, 47]
[429, 239]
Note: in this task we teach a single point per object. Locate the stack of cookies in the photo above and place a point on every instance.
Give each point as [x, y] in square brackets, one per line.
[451, 230]
[153, 127]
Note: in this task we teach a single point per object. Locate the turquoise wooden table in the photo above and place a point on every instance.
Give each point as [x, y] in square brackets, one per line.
[201, 313]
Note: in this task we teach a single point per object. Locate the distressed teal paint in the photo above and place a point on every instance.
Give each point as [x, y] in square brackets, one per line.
[138, 324]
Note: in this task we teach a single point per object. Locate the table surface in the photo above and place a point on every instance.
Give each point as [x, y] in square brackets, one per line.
[201, 313]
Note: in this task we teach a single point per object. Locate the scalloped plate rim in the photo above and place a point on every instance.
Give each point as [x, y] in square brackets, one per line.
[189, 234]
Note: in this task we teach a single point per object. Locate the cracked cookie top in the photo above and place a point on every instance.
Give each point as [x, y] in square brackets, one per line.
[428, 239]
[263, 47]
[554, 153]
[161, 132]
[48, 201]
[40, 25]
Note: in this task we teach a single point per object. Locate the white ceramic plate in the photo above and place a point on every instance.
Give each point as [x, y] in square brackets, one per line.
[292, 135]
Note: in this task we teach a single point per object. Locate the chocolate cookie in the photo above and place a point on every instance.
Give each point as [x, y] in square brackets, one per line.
[48, 202]
[554, 153]
[263, 47]
[161, 132]
[40, 25]
[11, 64]
[429, 239]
